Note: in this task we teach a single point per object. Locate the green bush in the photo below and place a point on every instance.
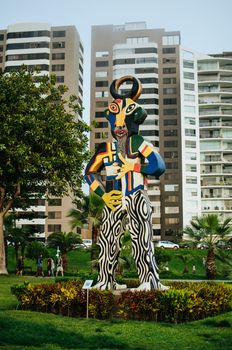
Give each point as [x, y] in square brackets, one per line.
[182, 302]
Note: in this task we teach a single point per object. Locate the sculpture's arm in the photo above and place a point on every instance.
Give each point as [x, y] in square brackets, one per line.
[113, 198]
[154, 163]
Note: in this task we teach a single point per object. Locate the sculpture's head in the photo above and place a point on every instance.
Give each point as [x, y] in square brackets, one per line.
[124, 114]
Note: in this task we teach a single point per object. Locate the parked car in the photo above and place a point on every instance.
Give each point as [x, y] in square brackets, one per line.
[202, 245]
[87, 242]
[167, 244]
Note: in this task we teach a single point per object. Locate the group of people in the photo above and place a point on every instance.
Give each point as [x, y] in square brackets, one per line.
[39, 266]
[50, 267]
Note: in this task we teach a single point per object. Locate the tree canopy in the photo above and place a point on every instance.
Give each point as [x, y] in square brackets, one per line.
[43, 145]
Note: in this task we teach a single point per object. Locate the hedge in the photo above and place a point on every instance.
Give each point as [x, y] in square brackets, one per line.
[181, 303]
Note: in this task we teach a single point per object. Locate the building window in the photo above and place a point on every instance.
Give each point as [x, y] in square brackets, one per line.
[147, 70]
[171, 210]
[100, 54]
[146, 50]
[148, 80]
[167, 50]
[189, 86]
[170, 122]
[100, 94]
[172, 165]
[101, 74]
[54, 215]
[102, 63]
[58, 45]
[188, 64]
[149, 132]
[53, 202]
[54, 228]
[101, 104]
[171, 221]
[58, 67]
[32, 45]
[137, 40]
[191, 179]
[170, 144]
[169, 60]
[29, 56]
[171, 40]
[188, 75]
[189, 121]
[171, 155]
[170, 132]
[190, 132]
[60, 79]
[192, 168]
[58, 56]
[31, 34]
[189, 98]
[101, 125]
[122, 61]
[190, 109]
[1, 37]
[170, 101]
[171, 188]
[169, 80]
[171, 111]
[190, 144]
[169, 91]
[169, 70]
[148, 101]
[103, 83]
[59, 34]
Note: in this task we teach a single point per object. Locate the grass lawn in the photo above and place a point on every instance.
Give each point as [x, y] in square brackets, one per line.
[31, 330]
[79, 261]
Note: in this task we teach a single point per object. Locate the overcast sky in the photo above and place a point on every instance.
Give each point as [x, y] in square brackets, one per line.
[205, 25]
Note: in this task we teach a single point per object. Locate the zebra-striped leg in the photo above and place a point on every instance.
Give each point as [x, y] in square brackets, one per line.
[139, 215]
[110, 245]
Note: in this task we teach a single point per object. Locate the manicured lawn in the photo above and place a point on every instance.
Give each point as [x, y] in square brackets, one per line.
[31, 330]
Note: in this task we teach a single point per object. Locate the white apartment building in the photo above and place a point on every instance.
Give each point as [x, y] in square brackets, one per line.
[215, 109]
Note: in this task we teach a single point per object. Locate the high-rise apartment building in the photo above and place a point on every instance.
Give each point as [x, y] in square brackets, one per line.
[215, 109]
[56, 50]
[169, 77]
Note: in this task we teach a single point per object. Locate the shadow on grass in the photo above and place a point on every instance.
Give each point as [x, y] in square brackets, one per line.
[29, 333]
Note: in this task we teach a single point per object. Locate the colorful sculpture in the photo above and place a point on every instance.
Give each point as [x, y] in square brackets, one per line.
[127, 162]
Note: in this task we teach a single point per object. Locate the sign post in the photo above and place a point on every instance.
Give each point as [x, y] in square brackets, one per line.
[87, 285]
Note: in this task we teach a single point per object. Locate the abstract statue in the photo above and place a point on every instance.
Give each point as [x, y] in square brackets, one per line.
[127, 162]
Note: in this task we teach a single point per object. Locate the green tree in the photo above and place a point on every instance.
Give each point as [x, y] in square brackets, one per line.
[42, 146]
[65, 241]
[210, 230]
[88, 210]
[35, 249]
[186, 259]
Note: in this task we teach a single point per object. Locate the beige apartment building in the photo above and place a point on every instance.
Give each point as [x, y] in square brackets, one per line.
[168, 75]
[56, 50]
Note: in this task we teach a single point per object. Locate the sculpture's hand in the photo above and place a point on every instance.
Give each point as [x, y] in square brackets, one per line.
[112, 199]
[125, 168]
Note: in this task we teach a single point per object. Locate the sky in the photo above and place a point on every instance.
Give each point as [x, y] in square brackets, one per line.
[204, 24]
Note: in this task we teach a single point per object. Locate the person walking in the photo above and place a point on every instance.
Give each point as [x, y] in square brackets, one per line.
[20, 266]
[39, 271]
[60, 266]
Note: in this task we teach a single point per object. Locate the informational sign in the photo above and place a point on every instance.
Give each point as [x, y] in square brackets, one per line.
[87, 284]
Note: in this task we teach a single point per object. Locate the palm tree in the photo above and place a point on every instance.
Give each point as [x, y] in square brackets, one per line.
[210, 230]
[88, 210]
[65, 241]
[185, 258]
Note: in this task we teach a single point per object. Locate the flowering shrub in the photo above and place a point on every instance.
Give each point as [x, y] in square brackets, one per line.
[182, 302]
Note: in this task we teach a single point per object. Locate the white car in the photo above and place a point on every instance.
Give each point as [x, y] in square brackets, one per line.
[167, 244]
